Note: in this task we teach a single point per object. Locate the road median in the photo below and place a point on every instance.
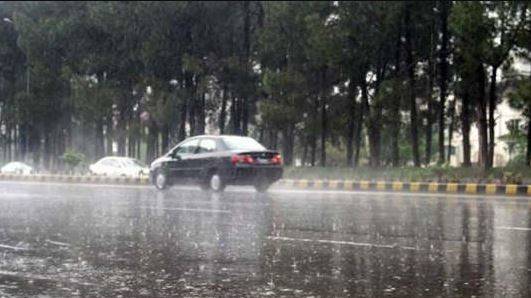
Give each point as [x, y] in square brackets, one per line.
[311, 184]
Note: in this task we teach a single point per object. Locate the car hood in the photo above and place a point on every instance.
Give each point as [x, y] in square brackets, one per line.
[158, 161]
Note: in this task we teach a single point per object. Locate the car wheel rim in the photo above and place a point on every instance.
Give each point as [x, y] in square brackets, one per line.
[215, 182]
[161, 180]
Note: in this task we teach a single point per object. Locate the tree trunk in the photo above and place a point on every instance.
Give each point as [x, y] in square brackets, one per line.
[131, 140]
[412, 97]
[359, 124]
[99, 150]
[222, 114]
[443, 69]
[165, 131]
[201, 115]
[451, 127]
[235, 116]
[482, 117]
[351, 122]
[313, 150]
[492, 121]
[35, 145]
[23, 139]
[182, 124]
[396, 102]
[465, 127]
[191, 116]
[374, 133]
[430, 114]
[151, 143]
[246, 53]
[528, 153]
[47, 148]
[109, 134]
[121, 127]
[287, 144]
[324, 129]
[304, 151]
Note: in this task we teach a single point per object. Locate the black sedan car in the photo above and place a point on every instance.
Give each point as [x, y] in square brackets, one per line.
[214, 162]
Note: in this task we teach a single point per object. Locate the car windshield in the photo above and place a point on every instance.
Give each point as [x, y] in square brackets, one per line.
[243, 143]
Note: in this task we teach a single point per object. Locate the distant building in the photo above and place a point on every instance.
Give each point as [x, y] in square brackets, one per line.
[504, 113]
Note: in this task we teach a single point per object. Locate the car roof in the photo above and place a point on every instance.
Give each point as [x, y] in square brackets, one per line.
[15, 163]
[217, 136]
[115, 157]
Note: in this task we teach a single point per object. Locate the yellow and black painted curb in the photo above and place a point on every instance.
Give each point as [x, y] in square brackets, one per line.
[347, 185]
[76, 179]
[430, 187]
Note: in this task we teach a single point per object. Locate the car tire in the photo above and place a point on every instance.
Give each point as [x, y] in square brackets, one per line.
[262, 186]
[160, 180]
[215, 182]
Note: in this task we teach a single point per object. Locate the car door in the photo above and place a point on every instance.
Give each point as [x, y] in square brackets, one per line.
[114, 167]
[105, 167]
[180, 159]
[203, 158]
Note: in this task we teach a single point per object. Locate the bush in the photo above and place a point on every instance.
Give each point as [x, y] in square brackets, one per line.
[72, 159]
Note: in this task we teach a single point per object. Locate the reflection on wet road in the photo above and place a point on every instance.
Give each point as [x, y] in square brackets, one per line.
[124, 241]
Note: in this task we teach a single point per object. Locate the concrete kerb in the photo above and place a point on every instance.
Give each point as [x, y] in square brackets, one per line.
[346, 185]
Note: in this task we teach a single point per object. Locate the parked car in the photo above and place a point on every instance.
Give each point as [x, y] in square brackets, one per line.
[216, 161]
[119, 166]
[16, 167]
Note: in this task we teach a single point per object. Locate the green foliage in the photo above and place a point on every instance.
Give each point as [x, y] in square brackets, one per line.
[289, 70]
[72, 158]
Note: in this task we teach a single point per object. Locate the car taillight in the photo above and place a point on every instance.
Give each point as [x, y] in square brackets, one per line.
[277, 159]
[242, 159]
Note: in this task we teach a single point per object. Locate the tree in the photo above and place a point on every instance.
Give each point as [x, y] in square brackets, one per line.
[444, 12]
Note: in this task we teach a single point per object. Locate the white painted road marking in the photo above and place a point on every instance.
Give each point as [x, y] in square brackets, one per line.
[57, 243]
[188, 209]
[513, 228]
[44, 278]
[15, 248]
[321, 241]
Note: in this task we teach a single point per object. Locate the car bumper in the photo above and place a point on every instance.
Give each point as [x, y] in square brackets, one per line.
[249, 175]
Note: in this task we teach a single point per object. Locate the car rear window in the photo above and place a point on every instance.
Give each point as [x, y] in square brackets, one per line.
[243, 143]
[132, 162]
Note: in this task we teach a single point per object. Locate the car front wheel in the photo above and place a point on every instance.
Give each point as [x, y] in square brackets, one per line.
[160, 181]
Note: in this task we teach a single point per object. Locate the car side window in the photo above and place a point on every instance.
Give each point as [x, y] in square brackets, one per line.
[107, 162]
[112, 163]
[207, 146]
[188, 147]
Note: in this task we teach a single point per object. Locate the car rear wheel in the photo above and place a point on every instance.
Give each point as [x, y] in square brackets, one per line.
[160, 181]
[262, 186]
[216, 183]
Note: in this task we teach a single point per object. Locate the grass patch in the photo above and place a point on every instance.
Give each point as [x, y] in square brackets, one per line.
[517, 175]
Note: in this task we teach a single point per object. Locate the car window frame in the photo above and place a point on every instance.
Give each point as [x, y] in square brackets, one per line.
[174, 152]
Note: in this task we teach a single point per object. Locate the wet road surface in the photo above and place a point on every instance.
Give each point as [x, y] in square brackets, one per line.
[74, 240]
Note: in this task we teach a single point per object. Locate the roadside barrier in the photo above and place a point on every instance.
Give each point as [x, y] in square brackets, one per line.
[76, 179]
[429, 187]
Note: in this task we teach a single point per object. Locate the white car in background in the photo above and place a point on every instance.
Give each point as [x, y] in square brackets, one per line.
[115, 166]
[16, 167]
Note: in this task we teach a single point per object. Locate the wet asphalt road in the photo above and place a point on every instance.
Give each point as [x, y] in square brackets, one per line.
[74, 240]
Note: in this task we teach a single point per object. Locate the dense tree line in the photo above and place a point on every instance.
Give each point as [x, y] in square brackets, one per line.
[388, 83]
